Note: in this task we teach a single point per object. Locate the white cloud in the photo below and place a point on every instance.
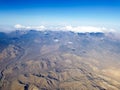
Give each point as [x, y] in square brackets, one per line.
[21, 27]
[85, 29]
[40, 27]
[65, 28]
[18, 26]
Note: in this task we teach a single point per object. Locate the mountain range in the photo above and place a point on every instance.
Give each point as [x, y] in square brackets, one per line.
[59, 60]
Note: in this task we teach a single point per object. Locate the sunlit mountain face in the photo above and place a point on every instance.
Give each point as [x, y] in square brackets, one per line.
[59, 60]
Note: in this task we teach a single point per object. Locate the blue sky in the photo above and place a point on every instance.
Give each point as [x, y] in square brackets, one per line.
[69, 12]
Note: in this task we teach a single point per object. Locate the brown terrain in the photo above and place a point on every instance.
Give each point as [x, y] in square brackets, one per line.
[53, 60]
